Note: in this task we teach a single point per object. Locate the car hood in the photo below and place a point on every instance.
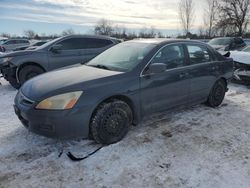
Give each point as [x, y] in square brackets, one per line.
[17, 53]
[64, 80]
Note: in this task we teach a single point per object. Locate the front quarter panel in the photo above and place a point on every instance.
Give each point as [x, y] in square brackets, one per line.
[124, 85]
[38, 57]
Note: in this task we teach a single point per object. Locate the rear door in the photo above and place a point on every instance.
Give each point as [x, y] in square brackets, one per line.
[69, 54]
[168, 89]
[203, 71]
[91, 47]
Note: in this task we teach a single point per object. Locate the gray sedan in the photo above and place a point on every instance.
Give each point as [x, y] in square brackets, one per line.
[116, 89]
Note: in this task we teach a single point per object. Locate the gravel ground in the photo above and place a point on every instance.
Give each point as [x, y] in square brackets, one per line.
[194, 147]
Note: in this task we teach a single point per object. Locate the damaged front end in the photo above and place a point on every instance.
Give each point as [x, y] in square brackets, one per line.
[8, 70]
[242, 72]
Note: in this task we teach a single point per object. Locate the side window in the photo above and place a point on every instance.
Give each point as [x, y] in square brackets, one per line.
[199, 54]
[96, 43]
[172, 55]
[25, 42]
[84, 43]
[70, 44]
[10, 42]
[20, 41]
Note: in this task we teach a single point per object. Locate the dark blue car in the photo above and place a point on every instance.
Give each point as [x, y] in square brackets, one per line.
[116, 89]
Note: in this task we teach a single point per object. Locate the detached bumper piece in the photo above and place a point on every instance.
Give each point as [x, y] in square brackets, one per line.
[242, 73]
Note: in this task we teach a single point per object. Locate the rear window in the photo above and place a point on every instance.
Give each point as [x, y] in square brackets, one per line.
[220, 41]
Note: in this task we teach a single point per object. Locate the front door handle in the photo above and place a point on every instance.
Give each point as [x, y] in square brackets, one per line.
[215, 68]
[183, 75]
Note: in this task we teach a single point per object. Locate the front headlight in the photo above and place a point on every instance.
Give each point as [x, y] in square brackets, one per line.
[60, 102]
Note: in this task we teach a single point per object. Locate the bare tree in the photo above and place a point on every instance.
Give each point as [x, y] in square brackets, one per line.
[7, 35]
[104, 27]
[186, 14]
[234, 15]
[68, 32]
[29, 33]
[210, 16]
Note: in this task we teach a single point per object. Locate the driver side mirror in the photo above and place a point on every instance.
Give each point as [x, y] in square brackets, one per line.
[56, 48]
[157, 68]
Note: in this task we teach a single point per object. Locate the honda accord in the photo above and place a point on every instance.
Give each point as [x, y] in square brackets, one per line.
[119, 87]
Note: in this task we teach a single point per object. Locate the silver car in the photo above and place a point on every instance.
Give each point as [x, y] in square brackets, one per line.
[12, 44]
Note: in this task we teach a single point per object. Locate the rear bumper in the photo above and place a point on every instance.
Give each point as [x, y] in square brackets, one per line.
[65, 124]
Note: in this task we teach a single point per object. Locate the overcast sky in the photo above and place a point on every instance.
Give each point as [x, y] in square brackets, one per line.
[53, 16]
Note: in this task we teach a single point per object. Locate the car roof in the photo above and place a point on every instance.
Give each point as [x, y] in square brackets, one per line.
[17, 39]
[91, 36]
[158, 41]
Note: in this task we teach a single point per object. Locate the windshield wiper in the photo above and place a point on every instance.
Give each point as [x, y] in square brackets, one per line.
[100, 66]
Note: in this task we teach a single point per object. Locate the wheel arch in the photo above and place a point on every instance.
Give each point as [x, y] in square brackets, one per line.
[25, 65]
[123, 98]
[224, 80]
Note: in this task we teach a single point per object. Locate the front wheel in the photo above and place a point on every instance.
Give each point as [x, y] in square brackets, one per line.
[29, 72]
[217, 94]
[111, 122]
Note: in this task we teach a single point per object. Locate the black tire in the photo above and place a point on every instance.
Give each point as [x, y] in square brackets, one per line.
[29, 72]
[13, 82]
[111, 122]
[217, 94]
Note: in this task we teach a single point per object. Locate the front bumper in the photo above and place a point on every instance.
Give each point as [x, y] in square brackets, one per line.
[65, 124]
[7, 70]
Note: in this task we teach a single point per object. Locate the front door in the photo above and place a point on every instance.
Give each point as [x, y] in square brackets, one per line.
[69, 54]
[168, 89]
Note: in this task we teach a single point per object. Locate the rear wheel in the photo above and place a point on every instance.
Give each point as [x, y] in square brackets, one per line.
[29, 72]
[111, 122]
[217, 94]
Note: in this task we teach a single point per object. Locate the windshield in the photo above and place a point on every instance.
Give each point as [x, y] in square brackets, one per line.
[2, 41]
[221, 41]
[247, 49]
[122, 57]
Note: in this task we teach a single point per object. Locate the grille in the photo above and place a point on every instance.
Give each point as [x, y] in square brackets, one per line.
[24, 100]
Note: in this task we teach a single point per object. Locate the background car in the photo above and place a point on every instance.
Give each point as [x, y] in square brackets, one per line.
[11, 44]
[3, 39]
[227, 43]
[242, 65]
[32, 46]
[119, 87]
[17, 67]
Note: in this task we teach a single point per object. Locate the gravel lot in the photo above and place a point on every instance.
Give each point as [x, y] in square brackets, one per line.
[195, 147]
